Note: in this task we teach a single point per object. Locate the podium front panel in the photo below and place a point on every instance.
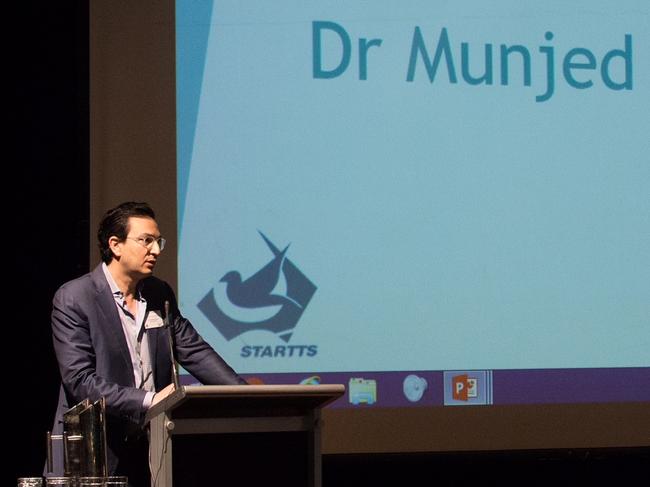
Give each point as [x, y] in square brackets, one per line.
[242, 459]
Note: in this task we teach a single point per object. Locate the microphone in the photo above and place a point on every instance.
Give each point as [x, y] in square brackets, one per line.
[172, 346]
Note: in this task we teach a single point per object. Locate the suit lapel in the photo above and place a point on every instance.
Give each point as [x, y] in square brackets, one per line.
[157, 337]
[108, 314]
[154, 337]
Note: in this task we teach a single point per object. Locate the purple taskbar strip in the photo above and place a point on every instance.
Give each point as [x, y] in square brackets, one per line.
[474, 387]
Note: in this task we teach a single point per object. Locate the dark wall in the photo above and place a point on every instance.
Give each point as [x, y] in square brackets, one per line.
[46, 195]
[611, 467]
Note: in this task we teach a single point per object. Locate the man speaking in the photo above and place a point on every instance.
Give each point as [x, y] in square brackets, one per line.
[110, 340]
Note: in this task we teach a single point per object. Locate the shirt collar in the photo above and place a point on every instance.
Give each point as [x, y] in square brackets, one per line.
[116, 290]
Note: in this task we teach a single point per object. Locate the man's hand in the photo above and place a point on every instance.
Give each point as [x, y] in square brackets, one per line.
[160, 395]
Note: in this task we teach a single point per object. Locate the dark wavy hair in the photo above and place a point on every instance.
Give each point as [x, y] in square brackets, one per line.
[115, 223]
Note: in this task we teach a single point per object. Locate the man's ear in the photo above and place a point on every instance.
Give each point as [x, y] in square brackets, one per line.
[115, 245]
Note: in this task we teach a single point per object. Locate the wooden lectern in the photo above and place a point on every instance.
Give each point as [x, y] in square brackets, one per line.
[218, 435]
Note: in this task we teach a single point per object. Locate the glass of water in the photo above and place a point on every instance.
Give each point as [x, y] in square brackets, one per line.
[60, 481]
[30, 481]
[117, 481]
[92, 482]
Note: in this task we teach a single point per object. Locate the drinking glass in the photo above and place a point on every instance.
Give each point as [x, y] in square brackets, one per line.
[30, 481]
[117, 481]
[92, 482]
[60, 481]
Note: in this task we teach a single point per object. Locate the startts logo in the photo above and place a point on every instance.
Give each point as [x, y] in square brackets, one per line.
[258, 292]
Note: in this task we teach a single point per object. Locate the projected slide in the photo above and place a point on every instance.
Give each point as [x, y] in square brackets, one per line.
[419, 197]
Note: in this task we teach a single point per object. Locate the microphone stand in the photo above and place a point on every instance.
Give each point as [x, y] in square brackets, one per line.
[172, 346]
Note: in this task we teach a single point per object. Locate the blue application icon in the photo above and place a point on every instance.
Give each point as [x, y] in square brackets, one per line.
[362, 391]
[314, 380]
[414, 387]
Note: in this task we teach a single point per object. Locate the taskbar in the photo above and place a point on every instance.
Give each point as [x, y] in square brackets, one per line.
[473, 387]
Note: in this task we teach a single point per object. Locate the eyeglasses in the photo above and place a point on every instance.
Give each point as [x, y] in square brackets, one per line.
[148, 240]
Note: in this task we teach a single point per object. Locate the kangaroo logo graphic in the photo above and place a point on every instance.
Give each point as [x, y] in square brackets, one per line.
[258, 292]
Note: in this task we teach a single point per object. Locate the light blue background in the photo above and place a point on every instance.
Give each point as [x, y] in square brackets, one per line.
[446, 226]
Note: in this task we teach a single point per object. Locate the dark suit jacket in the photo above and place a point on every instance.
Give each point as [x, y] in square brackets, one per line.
[94, 359]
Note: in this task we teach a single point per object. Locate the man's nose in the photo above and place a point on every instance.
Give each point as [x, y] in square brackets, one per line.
[155, 248]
